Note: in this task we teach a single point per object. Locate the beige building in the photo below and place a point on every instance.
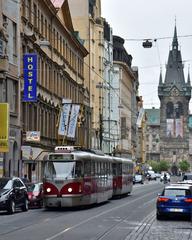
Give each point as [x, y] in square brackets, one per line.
[87, 20]
[10, 84]
[141, 134]
[47, 31]
[124, 81]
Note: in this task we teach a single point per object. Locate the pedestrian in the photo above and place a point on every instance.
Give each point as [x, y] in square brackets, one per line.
[25, 179]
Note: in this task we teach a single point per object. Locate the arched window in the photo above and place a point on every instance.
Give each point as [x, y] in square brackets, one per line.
[169, 110]
[178, 109]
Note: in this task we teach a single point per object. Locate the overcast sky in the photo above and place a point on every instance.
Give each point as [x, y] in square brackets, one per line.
[151, 19]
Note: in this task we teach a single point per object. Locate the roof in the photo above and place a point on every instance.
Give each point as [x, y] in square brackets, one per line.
[153, 116]
[174, 73]
[57, 3]
[178, 186]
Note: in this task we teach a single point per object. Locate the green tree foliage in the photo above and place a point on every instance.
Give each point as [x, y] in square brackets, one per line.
[184, 166]
[154, 165]
[164, 165]
[159, 166]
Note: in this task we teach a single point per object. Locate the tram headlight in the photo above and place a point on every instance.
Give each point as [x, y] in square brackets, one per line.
[48, 189]
[70, 189]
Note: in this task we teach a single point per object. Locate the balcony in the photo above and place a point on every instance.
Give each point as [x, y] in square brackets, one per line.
[4, 64]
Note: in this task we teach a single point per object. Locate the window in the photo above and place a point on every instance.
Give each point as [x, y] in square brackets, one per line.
[35, 15]
[46, 30]
[4, 91]
[42, 32]
[14, 39]
[1, 45]
[13, 88]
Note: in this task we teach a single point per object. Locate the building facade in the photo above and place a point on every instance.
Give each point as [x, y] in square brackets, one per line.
[10, 83]
[125, 96]
[153, 134]
[174, 94]
[87, 20]
[47, 31]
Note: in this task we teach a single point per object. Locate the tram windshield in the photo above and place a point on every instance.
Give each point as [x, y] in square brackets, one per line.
[62, 170]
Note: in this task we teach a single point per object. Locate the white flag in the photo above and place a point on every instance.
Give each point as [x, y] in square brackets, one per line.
[73, 120]
[64, 117]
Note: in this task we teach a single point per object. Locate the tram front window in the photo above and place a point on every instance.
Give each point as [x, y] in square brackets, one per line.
[62, 170]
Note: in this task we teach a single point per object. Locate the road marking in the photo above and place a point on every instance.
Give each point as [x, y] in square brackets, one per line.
[96, 216]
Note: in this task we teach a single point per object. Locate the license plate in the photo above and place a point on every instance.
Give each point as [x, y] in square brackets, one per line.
[175, 210]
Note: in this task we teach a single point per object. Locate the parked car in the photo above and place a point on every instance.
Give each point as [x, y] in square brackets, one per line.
[35, 194]
[138, 178]
[176, 199]
[151, 175]
[187, 176]
[13, 194]
[167, 175]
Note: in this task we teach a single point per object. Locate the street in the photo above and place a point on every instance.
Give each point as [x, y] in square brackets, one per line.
[128, 218]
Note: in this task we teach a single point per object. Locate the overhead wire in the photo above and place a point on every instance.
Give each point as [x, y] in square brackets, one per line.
[100, 39]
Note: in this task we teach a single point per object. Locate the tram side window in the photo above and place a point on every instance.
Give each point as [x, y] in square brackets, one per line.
[78, 169]
[87, 168]
[119, 169]
[114, 169]
[93, 170]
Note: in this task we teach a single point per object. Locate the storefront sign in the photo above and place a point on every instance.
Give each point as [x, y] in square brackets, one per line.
[33, 136]
[30, 77]
[4, 127]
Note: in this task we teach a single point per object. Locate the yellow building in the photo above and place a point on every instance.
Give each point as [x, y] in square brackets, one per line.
[87, 20]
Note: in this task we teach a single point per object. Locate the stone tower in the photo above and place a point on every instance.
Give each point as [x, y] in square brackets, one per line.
[174, 94]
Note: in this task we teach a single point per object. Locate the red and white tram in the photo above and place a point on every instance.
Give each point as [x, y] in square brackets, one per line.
[74, 177]
[122, 176]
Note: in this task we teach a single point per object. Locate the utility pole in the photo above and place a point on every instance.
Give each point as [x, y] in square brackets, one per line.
[101, 129]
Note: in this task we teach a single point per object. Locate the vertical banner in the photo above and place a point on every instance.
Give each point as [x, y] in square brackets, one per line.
[179, 127]
[4, 127]
[170, 127]
[73, 120]
[30, 77]
[64, 117]
[140, 117]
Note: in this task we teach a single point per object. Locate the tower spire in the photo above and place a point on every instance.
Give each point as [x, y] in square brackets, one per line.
[160, 77]
[175, 41]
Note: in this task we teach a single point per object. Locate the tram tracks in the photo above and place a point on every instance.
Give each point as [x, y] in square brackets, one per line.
[128, 201]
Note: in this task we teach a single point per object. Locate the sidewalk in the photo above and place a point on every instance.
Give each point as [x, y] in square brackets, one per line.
[151, 229]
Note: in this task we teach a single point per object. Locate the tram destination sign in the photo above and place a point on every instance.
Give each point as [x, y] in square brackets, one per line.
[61, 157]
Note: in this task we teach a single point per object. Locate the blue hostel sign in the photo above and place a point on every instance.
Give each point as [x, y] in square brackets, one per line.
[30, 77]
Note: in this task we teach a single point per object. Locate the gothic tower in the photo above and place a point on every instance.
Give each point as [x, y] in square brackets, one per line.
[174, 94]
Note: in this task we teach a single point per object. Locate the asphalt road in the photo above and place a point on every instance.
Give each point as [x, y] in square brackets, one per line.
[131, 217]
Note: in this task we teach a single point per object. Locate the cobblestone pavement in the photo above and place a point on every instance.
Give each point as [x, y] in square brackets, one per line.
[171, 229]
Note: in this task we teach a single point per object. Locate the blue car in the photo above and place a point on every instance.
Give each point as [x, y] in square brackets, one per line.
[176, 199]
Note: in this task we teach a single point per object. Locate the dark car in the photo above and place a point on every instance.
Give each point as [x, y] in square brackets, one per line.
[35, 194]
[176, 199]
[187, 176]
[138, 178]
[13, 194]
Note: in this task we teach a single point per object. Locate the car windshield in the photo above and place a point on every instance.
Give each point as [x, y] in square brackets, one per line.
[187, 177]
[176, 192]
[138, 177]
[5, 183]
[63, 170]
